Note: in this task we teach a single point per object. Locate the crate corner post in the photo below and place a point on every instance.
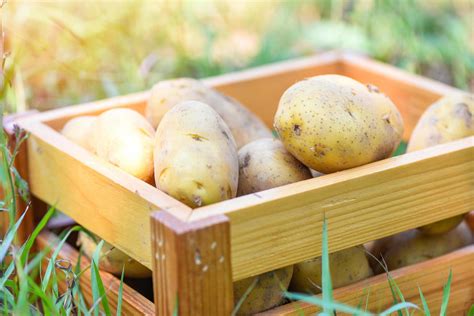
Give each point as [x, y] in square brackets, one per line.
[191, 265]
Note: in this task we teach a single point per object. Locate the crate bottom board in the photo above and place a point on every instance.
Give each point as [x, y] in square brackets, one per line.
[430, 276]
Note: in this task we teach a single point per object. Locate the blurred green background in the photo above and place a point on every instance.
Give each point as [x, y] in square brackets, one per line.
[74, 51]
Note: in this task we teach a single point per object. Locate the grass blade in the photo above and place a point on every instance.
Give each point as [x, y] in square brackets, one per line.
[120, 293]
[471, 311]
[98, 289]
[244, 297]
[446, 293]
[325, 270]
[399, 307]
[334, 306]
[52, 260]
[425, 304]
[6, 243]
[46, 302]
[25, 252]
[6, 274]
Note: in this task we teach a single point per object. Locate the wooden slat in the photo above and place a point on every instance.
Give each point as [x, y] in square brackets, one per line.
[191, 266]
[430, 275]
[282, 226]
[111, 203]
[411, 93]
[133, 303]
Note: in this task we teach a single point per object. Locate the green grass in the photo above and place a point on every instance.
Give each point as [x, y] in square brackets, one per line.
[70, 52]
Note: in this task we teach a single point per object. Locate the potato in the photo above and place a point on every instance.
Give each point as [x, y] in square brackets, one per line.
[124, 138]
[266, 164]
[347, 266]
[78, 130]
[442, 226]
[412, 246]
[195, 155]
[266, 291]
[331, 123]
[448, 119]
[111, 259]
[244, 125]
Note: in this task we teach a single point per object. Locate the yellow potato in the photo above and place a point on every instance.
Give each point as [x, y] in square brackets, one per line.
[266, 291]
[124, 138]
[244, 125]
[448, 119]
[347, 266]
[412, 246]
[111, 259]
[78, 130]
[195, 155]
[442, 226]
[266, 164]
[331, 123]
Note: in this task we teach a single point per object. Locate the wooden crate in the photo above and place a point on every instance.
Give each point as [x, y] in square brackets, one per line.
[256, 233]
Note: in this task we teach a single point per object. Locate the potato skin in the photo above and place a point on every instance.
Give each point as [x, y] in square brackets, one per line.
[78, 130]
[448, 119]
[331, 123]
[266, 164]
[111, 259]
[442, 226]
[347, 266]
[195, 155]
[244, 125]
[412, 246]
[124, 138]
[266, 293]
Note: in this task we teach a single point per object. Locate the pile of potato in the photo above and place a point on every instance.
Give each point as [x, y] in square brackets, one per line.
[202, 147]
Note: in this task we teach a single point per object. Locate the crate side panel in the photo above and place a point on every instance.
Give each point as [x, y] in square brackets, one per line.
[282, 226]
[430, 275]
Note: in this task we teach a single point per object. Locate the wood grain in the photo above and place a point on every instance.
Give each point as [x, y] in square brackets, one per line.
[191, 266]
[430, 276]
[133, 303]
[282, 226]
[104, 199]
